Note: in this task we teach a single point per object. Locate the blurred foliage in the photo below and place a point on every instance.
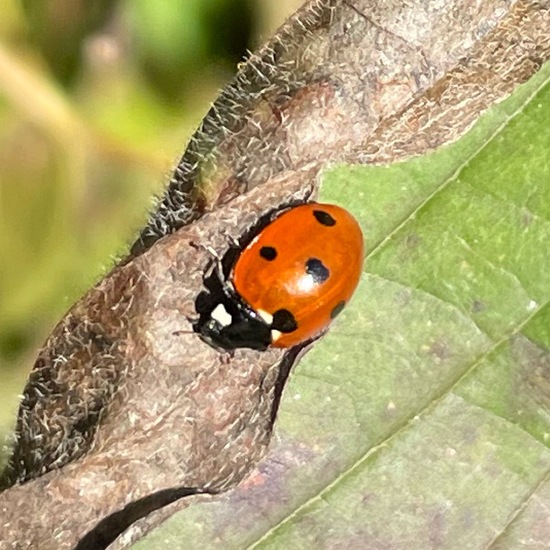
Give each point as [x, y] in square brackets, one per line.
[97, 100]
[57, 28]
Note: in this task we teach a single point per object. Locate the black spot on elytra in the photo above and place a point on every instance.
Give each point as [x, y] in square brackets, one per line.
[324, 218]
[337, 309]
[284, 321]
[317, 270]
[268, 253]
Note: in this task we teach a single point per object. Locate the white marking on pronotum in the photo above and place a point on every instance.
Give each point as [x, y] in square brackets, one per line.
[220, 315]
[267, 317]
[275, 335]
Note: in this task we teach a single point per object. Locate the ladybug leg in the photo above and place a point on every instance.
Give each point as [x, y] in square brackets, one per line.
[209, 249]
[309, 195]
[226, 356]
[218, 270]
[232, 240]
[214, 256]
[226, 284]
[192, 320]
[216, 266]
[181, 332]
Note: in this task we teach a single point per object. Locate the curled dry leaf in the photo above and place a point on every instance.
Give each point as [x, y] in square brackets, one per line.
[125, 411]
[175, 415]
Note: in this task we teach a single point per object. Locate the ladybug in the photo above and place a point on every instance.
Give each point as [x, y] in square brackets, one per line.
[287, 285]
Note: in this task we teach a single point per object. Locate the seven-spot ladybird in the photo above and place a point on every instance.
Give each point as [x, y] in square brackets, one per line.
[287, 285]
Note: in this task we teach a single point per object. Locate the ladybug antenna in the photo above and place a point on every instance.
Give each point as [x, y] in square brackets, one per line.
[180, 332]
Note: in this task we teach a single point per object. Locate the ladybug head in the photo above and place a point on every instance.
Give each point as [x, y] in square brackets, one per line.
[226, 322]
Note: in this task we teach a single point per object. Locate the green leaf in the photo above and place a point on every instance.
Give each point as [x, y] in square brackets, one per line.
[422, 420]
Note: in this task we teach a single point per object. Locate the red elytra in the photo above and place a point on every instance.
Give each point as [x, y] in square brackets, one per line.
[306, 263]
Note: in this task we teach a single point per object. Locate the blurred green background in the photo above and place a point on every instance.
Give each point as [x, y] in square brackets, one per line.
[97, 101]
